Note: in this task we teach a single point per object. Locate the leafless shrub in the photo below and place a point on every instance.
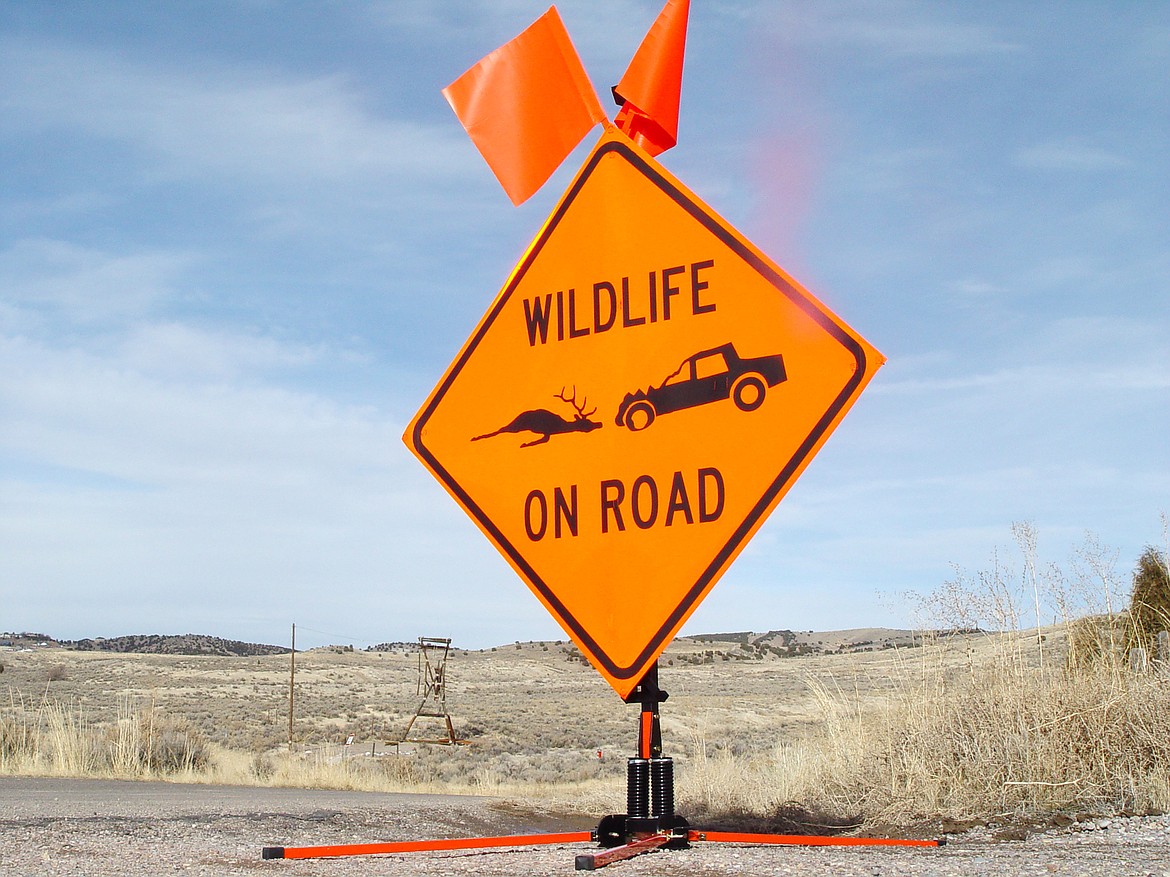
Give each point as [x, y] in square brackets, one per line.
[400, 770]
[16, 740]
[262, 768]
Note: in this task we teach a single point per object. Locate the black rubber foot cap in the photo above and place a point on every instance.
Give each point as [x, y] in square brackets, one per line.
[272, 853]
[584, 863]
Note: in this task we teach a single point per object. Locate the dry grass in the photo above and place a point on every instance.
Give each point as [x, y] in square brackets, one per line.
[966, 727]
[1025, 722]
[994, 738]
[57, 739]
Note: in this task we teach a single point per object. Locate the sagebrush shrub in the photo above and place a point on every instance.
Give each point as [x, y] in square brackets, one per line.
[1150, 603]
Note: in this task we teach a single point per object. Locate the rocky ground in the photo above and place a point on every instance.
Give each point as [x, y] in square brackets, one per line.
[99, 828]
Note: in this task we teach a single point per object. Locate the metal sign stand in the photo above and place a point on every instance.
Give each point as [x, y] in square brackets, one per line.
[648, 824]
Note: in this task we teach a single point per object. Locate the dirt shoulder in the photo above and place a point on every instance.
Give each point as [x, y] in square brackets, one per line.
[102, 828]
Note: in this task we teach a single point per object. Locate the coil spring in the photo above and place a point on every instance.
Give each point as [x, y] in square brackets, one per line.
[637, 788]
[661, 787]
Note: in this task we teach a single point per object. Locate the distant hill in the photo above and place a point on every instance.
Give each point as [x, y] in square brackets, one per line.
[781, 643]
[184, 644]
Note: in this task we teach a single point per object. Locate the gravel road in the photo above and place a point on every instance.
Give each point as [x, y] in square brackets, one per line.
[96, 828]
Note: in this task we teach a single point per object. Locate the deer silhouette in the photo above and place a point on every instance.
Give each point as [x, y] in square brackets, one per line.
[546, 423]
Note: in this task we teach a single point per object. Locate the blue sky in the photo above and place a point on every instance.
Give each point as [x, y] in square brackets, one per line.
[240, 241]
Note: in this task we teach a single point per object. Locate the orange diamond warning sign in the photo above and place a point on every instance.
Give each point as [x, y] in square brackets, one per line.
[635, 402]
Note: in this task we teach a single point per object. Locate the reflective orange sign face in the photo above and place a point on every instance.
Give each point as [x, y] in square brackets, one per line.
[638, 398]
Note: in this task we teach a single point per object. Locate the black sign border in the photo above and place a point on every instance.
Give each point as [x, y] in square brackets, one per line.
[713, 224]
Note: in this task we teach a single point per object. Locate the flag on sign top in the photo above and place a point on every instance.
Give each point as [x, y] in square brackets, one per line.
[527, 105]
[648, 93]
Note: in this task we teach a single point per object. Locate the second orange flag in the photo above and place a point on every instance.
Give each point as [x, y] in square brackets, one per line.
[650, 89]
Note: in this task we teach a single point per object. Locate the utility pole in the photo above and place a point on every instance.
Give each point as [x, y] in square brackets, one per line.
[292, 678]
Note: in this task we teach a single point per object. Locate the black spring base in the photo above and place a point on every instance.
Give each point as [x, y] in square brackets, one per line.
[649, 806]
[649, 787]
[619, 829]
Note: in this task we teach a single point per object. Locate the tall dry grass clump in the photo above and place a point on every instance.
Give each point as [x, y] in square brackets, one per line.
[985, 742]
[1150, 602]
[1026, 720]
[55, 739]
[1001, 740]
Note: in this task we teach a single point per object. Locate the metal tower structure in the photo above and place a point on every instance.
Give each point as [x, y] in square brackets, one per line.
[432, 688]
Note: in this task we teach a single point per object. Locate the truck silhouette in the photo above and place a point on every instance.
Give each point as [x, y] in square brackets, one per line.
[707, 376]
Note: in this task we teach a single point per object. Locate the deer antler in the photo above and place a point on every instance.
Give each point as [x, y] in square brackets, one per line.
[580, 409]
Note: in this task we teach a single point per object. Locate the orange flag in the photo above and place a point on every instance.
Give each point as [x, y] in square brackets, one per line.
[648, 93]
[527, 105]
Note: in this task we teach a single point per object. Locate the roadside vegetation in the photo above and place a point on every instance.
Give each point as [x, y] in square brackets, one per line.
[51, 738]
[1024, 701]
[1039, 721]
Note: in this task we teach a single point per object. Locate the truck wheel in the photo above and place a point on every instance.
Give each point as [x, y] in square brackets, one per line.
[639, 416]
[748, 392]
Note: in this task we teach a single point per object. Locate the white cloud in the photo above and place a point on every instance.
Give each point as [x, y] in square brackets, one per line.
[98, 411]
[609, 30]
[890, 29]
[895, 175]
[975, 289]
[86, 285]
[140, 501]
[1070, 155]
[22, 211]
[1070, 356]
[232, 122]
[439, 18]
[179, 351]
